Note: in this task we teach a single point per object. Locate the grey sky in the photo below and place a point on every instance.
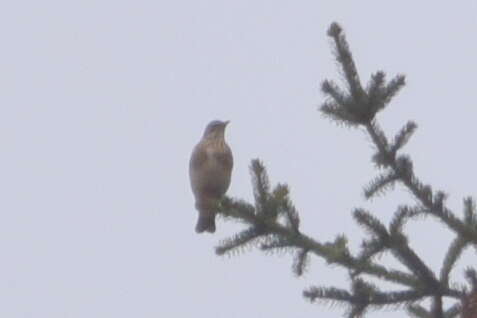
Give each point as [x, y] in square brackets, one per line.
[102, 102]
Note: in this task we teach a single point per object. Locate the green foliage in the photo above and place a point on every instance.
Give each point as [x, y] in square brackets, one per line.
[356, 106]
[273, 223]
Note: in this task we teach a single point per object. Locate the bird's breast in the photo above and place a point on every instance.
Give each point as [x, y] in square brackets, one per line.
[211, 168]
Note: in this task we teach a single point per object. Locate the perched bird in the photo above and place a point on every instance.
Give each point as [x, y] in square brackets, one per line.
[210, 169]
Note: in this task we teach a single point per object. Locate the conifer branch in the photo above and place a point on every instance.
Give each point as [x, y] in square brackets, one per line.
[339, 114]
[397, 243]
[261, 187]
[418, 311]
[379, 137]
[274, 223]
[469, 212]
[394, 86]
[380, 184]
[362, 296]
[276, 244]
[403, 214]
[300, 262]
[471, 276]
[376, 87]
[414, 263]
[240, 240]
[330, 88]
[402, 166]
[453, 253]
[469, 301]
[437, 310]
[270, 234]
[371, 248]
[371, 223]
[286, 207]
[403, 136]
[345, 59]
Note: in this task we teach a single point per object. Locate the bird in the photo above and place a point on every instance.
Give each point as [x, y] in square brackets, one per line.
[210, 170]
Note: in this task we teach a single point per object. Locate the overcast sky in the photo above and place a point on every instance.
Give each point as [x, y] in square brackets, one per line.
[102, 102]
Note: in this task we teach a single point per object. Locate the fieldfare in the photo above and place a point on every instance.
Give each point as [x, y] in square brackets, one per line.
[210, 169]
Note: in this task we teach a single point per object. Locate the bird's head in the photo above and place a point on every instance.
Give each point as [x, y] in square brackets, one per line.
[215, 129]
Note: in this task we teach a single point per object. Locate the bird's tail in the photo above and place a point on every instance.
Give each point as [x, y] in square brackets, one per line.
[205, 223]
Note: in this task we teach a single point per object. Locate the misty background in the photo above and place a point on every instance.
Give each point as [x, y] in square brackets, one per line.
[101, 103]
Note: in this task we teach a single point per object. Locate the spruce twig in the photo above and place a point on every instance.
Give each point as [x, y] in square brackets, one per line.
[273, 222]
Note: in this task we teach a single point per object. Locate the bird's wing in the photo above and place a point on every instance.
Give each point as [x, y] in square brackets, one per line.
[198, 158]
[226, 159]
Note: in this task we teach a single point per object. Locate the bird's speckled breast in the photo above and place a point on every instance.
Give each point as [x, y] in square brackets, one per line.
[211, 174]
